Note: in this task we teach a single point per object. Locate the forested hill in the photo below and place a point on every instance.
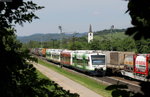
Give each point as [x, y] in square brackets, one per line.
[107, 31]
[38, 37]
[51, 36]
[47, 37]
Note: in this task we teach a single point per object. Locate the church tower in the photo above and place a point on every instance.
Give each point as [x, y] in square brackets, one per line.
[90, 34]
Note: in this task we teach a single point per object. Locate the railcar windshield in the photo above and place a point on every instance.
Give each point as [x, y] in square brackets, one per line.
[98, 59]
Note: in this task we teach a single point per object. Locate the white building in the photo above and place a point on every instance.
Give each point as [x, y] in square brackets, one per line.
[90, 35]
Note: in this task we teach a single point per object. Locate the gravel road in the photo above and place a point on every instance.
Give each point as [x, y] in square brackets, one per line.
[66, 83]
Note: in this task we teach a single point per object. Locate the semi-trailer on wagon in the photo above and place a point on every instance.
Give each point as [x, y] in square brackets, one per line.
[138, 67]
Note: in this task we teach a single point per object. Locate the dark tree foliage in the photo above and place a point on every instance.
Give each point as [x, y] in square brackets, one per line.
[18, 76]
[118, 90]
[139, 11]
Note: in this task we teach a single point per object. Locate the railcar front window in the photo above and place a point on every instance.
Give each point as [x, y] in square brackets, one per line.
[98, 59]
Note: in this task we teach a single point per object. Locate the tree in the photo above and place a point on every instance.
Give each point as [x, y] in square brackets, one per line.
[139, 11]
[106, 44]
[76, 46]
[124, 44]
[94, 45]
[143, 46]
[18, 76]
[16, 73]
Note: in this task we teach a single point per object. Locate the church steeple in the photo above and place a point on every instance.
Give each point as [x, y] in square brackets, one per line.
[90, 34]
[90, 29]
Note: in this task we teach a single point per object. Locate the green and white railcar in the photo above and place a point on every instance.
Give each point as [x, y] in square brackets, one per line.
[49, 54]
[56, 55]
[53, 55]
[89, 61]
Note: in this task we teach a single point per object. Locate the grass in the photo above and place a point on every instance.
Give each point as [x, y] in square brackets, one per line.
[85, 81]
[40, 75]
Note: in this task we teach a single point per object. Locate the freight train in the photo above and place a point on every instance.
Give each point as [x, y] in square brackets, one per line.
[97, 62]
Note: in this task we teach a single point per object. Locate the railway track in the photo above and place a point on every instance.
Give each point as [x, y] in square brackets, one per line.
[108, 80]
[132, 85]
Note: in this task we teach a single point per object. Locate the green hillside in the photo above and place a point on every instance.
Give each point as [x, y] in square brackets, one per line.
[109, 40]
[46, 37]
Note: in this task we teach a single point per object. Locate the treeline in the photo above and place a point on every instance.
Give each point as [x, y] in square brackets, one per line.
[108, 31]
[66, 35]
[110, 42]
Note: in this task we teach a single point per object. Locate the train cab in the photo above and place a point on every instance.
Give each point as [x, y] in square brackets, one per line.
[98, 61]
[90, 62]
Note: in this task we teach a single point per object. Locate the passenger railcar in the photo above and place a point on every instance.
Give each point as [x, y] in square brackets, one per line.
[66, 58]
[93, 63]
[53, 55]
[49, 54]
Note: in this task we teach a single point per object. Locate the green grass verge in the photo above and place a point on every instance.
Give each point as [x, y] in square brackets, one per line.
[40, 75]
[85, 81]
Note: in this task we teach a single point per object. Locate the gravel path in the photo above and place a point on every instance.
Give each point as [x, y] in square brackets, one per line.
[66, 83]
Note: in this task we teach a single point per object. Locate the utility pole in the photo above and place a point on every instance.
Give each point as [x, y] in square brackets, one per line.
[41, 41]
[73, 40]
[111, 33]
[60, 28]
[53, 42]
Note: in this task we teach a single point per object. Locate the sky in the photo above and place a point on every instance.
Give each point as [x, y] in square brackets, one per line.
[76, 16]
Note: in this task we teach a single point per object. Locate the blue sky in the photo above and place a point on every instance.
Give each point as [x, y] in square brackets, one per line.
[76, 16]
